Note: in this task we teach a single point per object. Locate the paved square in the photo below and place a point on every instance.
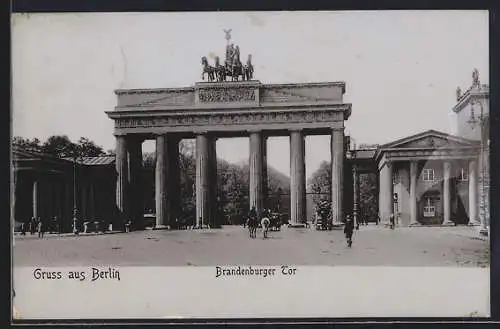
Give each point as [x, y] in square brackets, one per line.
[373, 246]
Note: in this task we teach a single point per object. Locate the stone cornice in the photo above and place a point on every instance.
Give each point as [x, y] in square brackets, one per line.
[235, 84]
[154, 91]
[148, 123]
[306, 85]
[426, 155]
[388, 152]
[481, 92]
[275, 108]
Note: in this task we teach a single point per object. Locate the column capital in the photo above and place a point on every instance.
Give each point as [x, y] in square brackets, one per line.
[338, 129]
[298, 130]
[253, 131]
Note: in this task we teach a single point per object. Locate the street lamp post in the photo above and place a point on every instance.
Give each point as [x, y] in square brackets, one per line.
[473, 121]
[75, 210]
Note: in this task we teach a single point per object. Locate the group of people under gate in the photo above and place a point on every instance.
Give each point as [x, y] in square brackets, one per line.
[40, 226]
[274, 217]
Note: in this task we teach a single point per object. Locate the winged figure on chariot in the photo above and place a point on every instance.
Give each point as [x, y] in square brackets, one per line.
[232, 67]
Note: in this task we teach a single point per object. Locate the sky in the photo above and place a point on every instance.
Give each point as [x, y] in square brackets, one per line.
[401, 68]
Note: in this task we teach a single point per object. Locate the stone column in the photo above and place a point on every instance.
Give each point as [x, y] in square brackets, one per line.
[14, 187]
[413, 192]
[69, 200]
[297, 179]
[161, 182]
[122, 185]
[355, 194]
[92, 212]
[173, 180]
[473, 220]
[36, 201]
[58, 196]
[337, 154]
[212, 163]
[446, 193]
[255, 183]
[265, 187]
[167, 181]
[386, 206]
[202, 180]
[134, 147]
[84, 210]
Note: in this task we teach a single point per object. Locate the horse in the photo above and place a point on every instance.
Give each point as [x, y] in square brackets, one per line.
[220, 70]
[209, 70]
[235, 71]
[265, 222]
[248, 69]
[252, 224]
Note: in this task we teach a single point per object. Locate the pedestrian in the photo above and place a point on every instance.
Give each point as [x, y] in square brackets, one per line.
[392, 223]
[40, 228]
[127, 226]
[23, 228]
[32, 225]
[348, 230]
[56, 225]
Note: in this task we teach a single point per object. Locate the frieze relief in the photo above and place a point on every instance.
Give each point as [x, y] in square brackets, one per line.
[226, 119]
[225, 95]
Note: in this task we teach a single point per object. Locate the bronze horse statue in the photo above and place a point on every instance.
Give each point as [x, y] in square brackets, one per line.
[207, 69]
[232, 68]
[248, 69]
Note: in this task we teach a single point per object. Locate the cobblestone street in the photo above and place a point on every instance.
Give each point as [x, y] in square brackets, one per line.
[373, 246]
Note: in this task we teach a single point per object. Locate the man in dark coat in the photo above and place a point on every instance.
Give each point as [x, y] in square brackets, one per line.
[40, 227]
[252, 215]
[392, 221]
[348, 230]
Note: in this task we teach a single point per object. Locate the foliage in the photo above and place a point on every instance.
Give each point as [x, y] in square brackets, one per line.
[60, 146]
[87, 148]
[320, 185]
[368, 204]
[27, 144]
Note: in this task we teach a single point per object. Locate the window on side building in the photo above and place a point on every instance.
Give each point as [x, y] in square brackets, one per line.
[428, 175]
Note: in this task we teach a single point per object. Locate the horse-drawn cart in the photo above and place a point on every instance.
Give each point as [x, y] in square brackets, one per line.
[275, 222]
[323, 216]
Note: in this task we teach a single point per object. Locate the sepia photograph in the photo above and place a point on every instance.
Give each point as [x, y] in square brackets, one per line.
[229, 150]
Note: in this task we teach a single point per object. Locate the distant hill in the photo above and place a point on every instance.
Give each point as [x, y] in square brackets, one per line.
[275, 177]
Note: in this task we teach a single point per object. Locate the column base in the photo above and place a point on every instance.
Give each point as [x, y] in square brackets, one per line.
[160, 227]
[448, 224]
[297, 225]
[414, 224]
[473, 224]
[201, 227]
[484, 232]
[337, 226]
